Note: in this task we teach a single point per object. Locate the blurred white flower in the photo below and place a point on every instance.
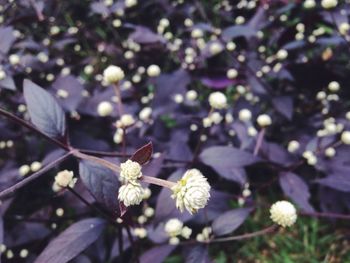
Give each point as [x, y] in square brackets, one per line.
[264, 120]
[113, 74]
[218, 100]
[173, 227]
[283, 213]
[153, 71]
[328, 4]
[244, 115]
[345, 137]
[192, 191]
[104, 108]
[232, 73]
[131, 194]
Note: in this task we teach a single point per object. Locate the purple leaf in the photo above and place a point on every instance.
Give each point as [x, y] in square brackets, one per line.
[284, 105]
[230, 221]
[8, 83]
[198, 254]
[74, 90]
[6, 39]
[218, 83]
[72, 241]
[157, 254]
[44, 110]
[101, 182]
[144, 154]
[237, 31]
[226, 160]
[338, 181]
[144, 35]
[296, 189]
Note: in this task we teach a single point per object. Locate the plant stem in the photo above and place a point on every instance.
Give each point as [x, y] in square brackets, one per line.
[27, 180]
[22, 122]
[157, 181]
[119, 98]
[259, 141]
[264, 231]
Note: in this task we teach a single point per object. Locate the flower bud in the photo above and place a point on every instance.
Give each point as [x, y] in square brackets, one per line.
[192, 191]
[283, 213]
[113, 74]
[131, 194]
[345, 137]
[130, 170]
[232, 73]
[244, 115]
[264, 120]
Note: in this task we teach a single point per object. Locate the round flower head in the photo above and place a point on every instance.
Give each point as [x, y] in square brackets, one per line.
[130, 170]
[327, 4]
[283, 213]
[65, 178]
[217, 100]
[131, 194]
[104, 108]
[264, 120]
[113, 74]
[153, 71]
[173, 227]
[191, 192]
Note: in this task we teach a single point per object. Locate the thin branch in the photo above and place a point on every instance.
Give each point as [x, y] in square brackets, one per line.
[259, 141]
[157, 181]
[264, 231]
[28, 179]
[22, 122]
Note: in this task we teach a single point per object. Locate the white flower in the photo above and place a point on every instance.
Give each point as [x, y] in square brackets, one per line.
[2, 74]
[215, 48]
[232, 73]
[153, 71]
[345, 137]
[35, 166]
[244, 115]
[327, 4]
[149, 212]
[174, 241]
[104, 108]
[330, 152]
[197, 33]
[191, 95]
[130, 171]
[173, 227]
[113, 74]
[218, 100]
[131, 194]
[145, 114]
[140, 232]
[65, 178]
[130, 3]
[309, 4]
[230, 46]
[14, 59]
[88, 69]
[264, 120]
[283, 213]
[282, 54]
[192, 191]
[293, 146]
[333, 86]
[186, 232]
[344, 28]
[24, 170]
[126, 120]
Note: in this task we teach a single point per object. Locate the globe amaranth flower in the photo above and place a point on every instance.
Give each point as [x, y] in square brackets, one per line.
[218, 100]
[113, 74]
[131, 194]
[191, 192]
[65, 179]
[130, 171]
[283, 213]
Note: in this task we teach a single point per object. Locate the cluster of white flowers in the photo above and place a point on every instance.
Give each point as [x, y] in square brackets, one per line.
[283, 213]
[175, 228]
[218, 100]
[310, 157]
[191, 192]
[113, 74]
[131, 193]
[64, 179]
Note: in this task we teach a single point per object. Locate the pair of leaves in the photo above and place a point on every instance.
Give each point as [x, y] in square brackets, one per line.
[72, 241]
